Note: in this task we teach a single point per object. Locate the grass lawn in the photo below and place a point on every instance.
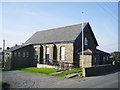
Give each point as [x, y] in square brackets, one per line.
[78, 70]
[2, 83]
[39, 70]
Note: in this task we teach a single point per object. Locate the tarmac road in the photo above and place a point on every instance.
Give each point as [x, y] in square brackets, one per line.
[20, 79]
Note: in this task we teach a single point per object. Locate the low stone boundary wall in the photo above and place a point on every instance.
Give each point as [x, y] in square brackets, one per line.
[45, 66]
[101, 69]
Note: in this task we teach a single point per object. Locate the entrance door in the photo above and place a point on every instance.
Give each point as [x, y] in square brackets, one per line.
[41, 55]
[47, 54]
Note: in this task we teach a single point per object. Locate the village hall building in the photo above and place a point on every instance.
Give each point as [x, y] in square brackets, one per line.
[56, 46]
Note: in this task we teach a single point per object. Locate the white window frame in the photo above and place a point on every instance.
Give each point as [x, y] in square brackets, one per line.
[36, 53]
[62, 53]
[47, 50]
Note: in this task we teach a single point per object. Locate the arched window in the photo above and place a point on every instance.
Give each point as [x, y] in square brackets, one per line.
[35, 53]
[86, 41]
[62, 53]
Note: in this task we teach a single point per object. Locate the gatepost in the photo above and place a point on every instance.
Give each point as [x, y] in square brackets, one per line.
[83, 72]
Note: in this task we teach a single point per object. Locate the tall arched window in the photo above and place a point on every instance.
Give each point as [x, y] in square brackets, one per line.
[35, 53]
[86, 41]
[62, 53]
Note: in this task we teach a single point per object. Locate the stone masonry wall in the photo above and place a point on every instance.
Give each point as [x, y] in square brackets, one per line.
[68, 51]
[87, 61]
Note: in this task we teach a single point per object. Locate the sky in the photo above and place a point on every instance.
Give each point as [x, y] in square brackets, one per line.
[20, 20]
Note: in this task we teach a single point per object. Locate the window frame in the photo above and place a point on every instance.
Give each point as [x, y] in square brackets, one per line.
[62, 53]
[36, 53]
[27, 54]
[23, 54]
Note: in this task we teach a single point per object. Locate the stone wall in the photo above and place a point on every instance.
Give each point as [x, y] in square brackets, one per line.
[21, 60]
[7, 60]
[101, 69]
[78, 44]
[68, 51]
[87, 61]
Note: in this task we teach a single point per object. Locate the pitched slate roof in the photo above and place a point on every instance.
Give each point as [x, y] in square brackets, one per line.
[62, 34]
[15, 48]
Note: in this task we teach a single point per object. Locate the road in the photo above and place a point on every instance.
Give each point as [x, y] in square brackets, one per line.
[20, 79]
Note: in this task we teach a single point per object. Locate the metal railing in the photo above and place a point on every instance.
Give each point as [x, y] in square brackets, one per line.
[60, 64]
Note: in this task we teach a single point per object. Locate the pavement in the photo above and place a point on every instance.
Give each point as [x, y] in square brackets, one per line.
[21, 79]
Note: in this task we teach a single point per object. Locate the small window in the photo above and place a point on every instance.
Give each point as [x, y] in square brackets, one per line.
[36, 54]
[27, 54]
[107, 57]
[86, 41]
[47, 50]
[18, 54]
[15, 54]
[23, 54]
[62, 53]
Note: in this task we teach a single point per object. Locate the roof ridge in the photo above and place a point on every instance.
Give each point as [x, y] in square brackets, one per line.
[62, 27]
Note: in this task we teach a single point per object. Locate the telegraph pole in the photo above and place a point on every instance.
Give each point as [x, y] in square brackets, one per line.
[82, 43]
[3, 54]
[3, 45]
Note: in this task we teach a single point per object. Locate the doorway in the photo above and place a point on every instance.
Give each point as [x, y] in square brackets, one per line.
[47, 53]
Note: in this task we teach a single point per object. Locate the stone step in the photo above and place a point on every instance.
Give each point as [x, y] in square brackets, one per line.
[56, 72]
[71, 75]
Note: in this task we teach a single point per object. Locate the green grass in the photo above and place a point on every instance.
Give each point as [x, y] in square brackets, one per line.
[47, 70]
[39, 70]
[35, 70]
[78, 70]
[2, 83]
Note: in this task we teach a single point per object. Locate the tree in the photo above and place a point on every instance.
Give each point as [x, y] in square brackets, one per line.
[116, 55]
[8, 47]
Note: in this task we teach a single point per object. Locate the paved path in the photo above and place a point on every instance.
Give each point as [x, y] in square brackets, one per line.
[20, 79]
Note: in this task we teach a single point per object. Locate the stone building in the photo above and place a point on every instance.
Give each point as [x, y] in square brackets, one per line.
[57, 46]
